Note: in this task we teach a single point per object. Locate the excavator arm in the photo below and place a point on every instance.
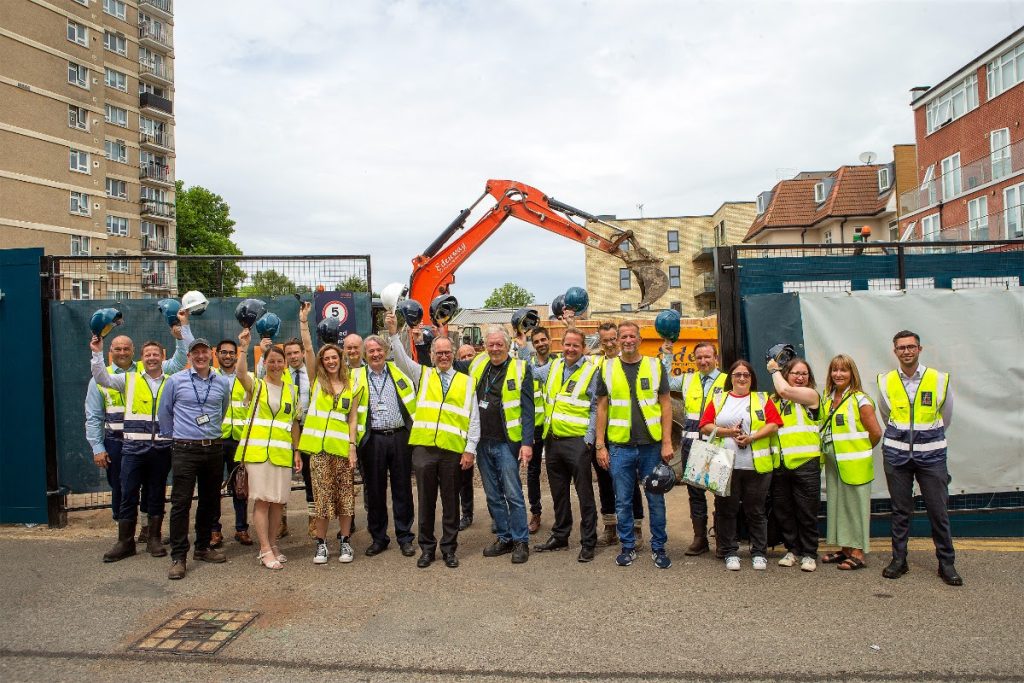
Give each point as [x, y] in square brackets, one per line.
[434, 270]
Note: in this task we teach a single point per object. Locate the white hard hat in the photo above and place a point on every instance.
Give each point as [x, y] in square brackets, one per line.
[194, 302]
[392, 294]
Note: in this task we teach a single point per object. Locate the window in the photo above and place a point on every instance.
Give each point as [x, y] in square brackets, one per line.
[84, 3]
[819, 193]
[78, 75]
[116, 225]
[78, 33]
[1014, 211]
[624, 278]
[951, 181]
[115, 8]
[78, 117]
[80, 245]
[884, 182]
[1005, 71]
[117, 80]
[152, 89]
[999, 143]
[977, 218]
[826, 237]
[79, 204]
[720, 234]
[118, 266]
[116, 115]
[152, 193]
[928, 185]
[116, 150]
[931, 226]
[763, 200]
[120, 294]
[118, 189]
[894, 231]
[79, 161]
[673, 276]
[81, 290]
[952, 104]
[676, 306]
[625, 307]
[673, 241]
[115, 42]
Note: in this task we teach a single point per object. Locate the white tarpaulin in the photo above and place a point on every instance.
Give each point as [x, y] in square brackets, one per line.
[976, 335]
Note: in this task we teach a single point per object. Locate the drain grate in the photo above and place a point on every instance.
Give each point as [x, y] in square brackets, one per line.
[195, 632]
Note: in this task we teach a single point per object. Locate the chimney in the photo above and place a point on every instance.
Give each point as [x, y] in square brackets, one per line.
[917, 91]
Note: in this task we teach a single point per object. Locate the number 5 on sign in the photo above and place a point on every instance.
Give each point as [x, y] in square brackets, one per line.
[335, 309]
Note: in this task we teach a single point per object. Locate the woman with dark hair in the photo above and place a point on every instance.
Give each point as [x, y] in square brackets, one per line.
[743, 420]
[796, 482]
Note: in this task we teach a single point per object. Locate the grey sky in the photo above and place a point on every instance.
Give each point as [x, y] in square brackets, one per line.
[364, 127]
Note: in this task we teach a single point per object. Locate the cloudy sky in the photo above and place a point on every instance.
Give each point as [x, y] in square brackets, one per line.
[365, 126]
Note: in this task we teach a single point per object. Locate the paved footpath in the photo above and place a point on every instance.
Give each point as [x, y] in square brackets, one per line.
[66, 615]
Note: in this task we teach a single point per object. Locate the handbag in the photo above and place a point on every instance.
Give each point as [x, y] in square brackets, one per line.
[239, 477]
[709, 466]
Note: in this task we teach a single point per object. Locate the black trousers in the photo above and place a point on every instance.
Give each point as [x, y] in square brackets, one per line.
[606, 491]
[465, 492]
[194, 466]
[533, 473]
[933, 479]
[306, 478]
[380, 456]
[569, 462]
[751, 489]
[437, 470]
[796, 499]
[228, 447]
[144, 466]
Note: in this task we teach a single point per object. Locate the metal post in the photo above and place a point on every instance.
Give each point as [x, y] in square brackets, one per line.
[56, 511]
[730, 330]
[901, 266]
[220, 277]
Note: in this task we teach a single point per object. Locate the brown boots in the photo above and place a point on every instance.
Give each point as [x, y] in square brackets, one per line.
[609, 536]
[125, 546]
[700, 537]
[534, 523]
[154, 541]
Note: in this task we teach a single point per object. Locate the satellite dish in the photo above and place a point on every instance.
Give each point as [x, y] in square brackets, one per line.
[868, 157]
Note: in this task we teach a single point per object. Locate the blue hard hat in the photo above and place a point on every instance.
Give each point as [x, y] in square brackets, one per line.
[170, 308]
[660, 480]
[577, 299]
[328, 330]
[411, 311]
[104, 320]
[667, 325]
[268, 325]
[443, 308]
[525, 319]
[558, 306]
[249, 311]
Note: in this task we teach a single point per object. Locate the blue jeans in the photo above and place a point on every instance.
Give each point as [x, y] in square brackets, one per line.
[145, 468]
[499, 469]
[629, 464]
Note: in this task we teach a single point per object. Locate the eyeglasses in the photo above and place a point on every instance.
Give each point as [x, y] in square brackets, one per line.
[226, 353]
[799, 374]
[741, 375]
[442, 353]
[907, 347]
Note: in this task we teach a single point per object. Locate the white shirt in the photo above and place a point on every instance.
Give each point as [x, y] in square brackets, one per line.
[736, 410]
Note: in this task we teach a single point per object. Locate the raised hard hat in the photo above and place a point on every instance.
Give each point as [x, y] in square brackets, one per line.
[524, 320]
[429, 336]
[329, 330]
[667, 325]
[392, 294]
[577, 299]
[170, 308]
[411, 311]
[661, 480]
[268, 326]
[194, 302]
[780, 353]
[558, 306]
[443, 308]
[249, 311]
[104, 320]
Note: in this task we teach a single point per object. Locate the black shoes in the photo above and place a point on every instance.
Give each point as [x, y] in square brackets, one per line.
[375, 549]
[451, 561]
[898, 568]
[426, 559]
[948, 573]
[407, 549]
[465, 522]
[552, 544]
[520, 552]
[497, 548]
[586, 554]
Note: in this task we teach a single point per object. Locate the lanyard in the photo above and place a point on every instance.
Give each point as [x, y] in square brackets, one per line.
[496, 374]
[201, 401]
[826, 426]
[379, 390]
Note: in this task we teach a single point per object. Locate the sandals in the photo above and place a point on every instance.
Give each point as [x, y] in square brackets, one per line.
[277, 553]
[834, 558]
[851, 563]
[274, 563]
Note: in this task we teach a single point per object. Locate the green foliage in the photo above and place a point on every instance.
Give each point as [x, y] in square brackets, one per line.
[204, 226]
[269, 283]
[353, 283]
[509, 295]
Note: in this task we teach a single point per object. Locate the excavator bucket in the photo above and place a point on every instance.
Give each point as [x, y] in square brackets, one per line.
[649, 274]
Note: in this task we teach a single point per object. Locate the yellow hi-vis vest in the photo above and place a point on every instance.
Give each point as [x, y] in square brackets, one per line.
[566, 405]
[842, 426]
[919, 433]
[538, 392]
[648, 378]
[442, 419]
[234, 420]
[271, 434]
[761, 449]
[403, 385]
[695, 400]
[113, 400]
[511, 387]
[798, 439]
[141, 406]
[325, 428]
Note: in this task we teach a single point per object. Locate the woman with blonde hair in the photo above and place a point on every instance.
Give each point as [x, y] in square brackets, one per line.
[330, 434]
[849, 430]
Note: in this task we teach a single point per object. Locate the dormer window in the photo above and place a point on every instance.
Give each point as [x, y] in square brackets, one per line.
[819, 193]
[884, 179]
[763, 200]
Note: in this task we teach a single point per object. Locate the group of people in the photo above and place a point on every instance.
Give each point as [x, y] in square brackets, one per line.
[368, 406]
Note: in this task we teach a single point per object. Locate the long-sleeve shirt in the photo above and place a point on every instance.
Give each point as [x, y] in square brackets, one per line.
[94, 404]
[187, 397]
[542, 372]
[415, 371]
[675, 382]
[911, 384]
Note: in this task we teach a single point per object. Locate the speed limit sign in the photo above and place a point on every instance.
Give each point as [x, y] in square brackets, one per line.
[334, 309]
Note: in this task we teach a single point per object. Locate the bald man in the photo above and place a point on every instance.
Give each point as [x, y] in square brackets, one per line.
[466, 352]
[352, 345]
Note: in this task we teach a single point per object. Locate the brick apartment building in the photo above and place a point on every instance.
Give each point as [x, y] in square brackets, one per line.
[970, 151]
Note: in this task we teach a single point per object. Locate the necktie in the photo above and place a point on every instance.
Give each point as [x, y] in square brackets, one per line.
[445, 381]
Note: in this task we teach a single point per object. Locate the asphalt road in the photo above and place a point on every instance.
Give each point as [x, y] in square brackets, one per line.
[66, 615]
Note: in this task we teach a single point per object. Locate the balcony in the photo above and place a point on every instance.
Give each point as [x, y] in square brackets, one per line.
[152, 208]
[154, 104]
[704, 284]
[162, 8]
[705, 252]
[159, 141]
[156, 281]
[153, 37]
[159, 72]
[156, 173]
[157, 244]
[990, 168]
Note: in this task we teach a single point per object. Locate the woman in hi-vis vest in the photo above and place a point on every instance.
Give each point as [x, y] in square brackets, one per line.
[849, 430]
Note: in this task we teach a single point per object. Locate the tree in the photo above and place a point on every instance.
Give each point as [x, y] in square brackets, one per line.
[353, 283]
[509, 295]
[205, 227]
[269, 283]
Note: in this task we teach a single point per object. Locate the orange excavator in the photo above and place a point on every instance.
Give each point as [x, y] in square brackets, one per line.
[434, 270]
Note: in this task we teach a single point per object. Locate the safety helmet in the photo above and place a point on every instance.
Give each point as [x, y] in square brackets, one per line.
[524, 320]
[558, 306]
[392, 294]
[329, 330]
[411, 311]
[249, 311]
[104, 320]
[443, 308]
[660, 480]
[781, 353]
[667, 325]
[577, 299]
[429, 336]
[194, 302]
[268, 326]
[170, 308]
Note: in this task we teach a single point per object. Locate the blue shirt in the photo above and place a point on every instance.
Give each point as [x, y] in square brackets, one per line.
[542, 372]
[186, 397]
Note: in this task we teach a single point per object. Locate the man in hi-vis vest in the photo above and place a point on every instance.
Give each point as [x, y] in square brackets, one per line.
[917, 406]
[445, 431]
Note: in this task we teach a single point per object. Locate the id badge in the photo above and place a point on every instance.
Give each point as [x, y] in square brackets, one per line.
[203, 419]
[511, 384]
[840, 420]
[645, 384]
[760, 415]
[381, 405]
[484, 404]
[926, 398]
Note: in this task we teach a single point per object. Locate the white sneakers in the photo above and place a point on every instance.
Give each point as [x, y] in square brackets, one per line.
[808, 564]
[347, 555]
[321, 555]
[732, 563]
[788, 560]
[760, 562]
